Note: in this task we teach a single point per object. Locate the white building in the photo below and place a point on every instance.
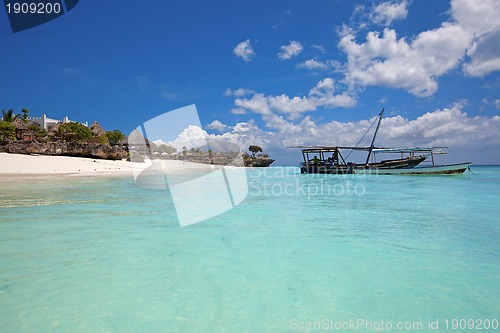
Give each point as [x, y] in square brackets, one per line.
[46, 123]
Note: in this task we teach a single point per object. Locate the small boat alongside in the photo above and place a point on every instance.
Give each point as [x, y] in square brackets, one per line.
[330, 160]
[431, 169]
[447, 169]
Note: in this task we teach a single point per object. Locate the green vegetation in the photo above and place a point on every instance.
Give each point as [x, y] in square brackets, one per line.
[99, 139]
[37, 131]
[254, 150]
[9, 116]
[7, 130]
[25, 114]
[74, 132]
[78, 132]
[114, 137]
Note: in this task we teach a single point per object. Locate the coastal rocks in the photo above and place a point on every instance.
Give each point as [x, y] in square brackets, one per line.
[257, 162]
[76, 149]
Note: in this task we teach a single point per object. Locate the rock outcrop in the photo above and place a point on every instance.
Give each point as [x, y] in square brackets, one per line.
[76, 149]
[257, 162]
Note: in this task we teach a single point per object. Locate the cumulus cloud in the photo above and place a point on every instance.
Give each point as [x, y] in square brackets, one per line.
[245, 51]
[445, 127]
[193, 134]
[291, 50]
[480, 19]
[414, 65]
[217, 125]
[321, 95]
[191, 137]
[388, 61]
[387, 12]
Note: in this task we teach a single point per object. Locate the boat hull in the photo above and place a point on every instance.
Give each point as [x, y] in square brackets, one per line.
[449, 169]
[409, 162]
[372, 169]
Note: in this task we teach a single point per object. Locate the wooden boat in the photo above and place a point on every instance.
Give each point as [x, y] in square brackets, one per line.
[422, 169]
[447, 169]
[330, 160]
[410, 165]
[317, 159]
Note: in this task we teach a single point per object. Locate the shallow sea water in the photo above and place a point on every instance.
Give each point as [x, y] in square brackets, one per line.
[102, 255]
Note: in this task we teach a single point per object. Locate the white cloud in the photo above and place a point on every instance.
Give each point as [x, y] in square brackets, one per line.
[238, 111]
[495, 103]
[393, 62]
[480, 19]
[291, 50]
[415, 65]
[313, 64]
[244, 50]
[387, 12]
[238, 92]
[318, 48]
[321, 95]
[192, 136]
[257, 104]
[218, 126]
[484, 54]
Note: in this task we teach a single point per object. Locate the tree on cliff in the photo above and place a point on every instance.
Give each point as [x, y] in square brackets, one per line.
[74, 131]
[25, 114]
[9, 116]
[254, 150]
[7, 130]
[115, 137]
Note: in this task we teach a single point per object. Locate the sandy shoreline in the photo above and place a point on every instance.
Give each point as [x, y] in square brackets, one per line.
[16, 165]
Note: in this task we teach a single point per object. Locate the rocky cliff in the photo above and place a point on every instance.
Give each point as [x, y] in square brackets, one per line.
[76, 149]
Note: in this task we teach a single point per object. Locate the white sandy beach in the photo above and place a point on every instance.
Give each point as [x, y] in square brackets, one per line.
[17, 164]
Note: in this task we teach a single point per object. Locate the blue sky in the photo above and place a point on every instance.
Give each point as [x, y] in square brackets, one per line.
[273, 73]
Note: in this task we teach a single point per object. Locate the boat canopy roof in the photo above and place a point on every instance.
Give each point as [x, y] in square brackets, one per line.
[328, 148]
[433, 150]
[376, 150]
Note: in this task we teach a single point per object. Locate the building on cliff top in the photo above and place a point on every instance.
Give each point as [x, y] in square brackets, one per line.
[47, 123]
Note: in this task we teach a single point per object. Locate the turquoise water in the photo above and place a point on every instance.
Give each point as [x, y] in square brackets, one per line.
[101, 255]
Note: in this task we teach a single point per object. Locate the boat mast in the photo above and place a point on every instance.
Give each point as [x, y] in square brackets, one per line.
[374, 136]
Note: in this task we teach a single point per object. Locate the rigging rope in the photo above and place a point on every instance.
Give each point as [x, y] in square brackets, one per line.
[357, 144]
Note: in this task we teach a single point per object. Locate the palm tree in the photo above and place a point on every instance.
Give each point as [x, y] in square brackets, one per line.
[9, 116]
